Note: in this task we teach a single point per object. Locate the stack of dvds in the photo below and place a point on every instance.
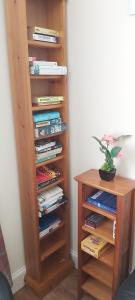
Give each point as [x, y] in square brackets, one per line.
[46, 176]
[47, 150]
[47, 123]
[50, 200]
[47, 224]
[43, 34]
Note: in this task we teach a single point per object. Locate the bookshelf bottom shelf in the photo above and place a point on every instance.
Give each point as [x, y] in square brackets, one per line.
[51, 276]
[96, 289]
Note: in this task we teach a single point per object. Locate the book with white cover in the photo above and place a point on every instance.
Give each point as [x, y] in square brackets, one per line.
[43, 38]
[51, 192]
[43, 202]
[48, 70]
[44, 63]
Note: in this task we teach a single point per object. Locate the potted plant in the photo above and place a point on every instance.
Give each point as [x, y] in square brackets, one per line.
[111, 151]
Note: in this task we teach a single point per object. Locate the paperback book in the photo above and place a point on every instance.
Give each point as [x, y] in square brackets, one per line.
[42, 30]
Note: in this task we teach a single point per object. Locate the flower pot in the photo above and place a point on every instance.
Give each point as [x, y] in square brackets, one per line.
[107, 175]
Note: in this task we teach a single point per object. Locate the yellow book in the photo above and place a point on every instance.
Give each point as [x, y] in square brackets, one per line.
[41, 30]
[93, 245]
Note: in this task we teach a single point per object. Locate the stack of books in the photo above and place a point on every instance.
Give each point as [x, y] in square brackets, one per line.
[103, 200]
[50, 200]
[47, 224]
[47, 100]
[94, 245]
[47, 123]
[47, 150]
[46, 176]
[42, 67]
[43, 34]
[94, 220]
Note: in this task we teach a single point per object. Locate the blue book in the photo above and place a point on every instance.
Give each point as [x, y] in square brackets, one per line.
[44, 116]
[47, 221]
[103, 200]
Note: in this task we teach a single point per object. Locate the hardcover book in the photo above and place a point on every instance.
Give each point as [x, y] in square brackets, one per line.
[103, 200]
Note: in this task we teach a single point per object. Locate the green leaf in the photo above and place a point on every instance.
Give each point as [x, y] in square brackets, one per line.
[115, 151]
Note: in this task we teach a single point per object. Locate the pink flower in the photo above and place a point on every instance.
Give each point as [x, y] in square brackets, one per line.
[108, 138]
[120, 154]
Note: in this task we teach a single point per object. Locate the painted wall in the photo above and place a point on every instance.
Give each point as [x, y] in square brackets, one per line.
[101, 54]
[101, 51]
[10, 217]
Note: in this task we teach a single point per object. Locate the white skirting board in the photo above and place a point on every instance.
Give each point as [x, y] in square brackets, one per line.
[18, 276]
[18, 279]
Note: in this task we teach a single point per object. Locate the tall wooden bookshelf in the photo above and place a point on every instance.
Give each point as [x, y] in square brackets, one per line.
[100, 278]
[47, 259]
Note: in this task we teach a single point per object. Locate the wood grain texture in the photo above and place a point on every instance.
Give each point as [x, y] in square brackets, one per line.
[66, 290]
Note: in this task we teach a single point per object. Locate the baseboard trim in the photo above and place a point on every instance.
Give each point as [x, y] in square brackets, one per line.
[74, 257]
[18, 279]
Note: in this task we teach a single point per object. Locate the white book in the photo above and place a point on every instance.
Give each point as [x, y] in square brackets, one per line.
[45, 146]
[48, 70]
[51, 192]
[49, 153]
[50, 202]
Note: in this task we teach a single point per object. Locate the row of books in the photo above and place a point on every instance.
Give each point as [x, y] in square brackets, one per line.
[42, 67]
[49, 200]
[103, 200]
[43, 34]
[47, 100]
[46, 150]
[46, 176]
[47, 123]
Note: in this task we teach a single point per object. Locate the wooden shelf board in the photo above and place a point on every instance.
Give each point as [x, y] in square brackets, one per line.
[48, 136]
[46, 107]
[99, 271]
[39, 44]
[105, 231]
[100, 211]
[108, 257]
[51, 185]
[46, 77]
[56, 245]
[46, 162]
[96, 289]
[52, 231]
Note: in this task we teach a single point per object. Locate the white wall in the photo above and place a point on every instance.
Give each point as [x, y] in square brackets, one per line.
[101, 51]
[10, 218]
[101, 48]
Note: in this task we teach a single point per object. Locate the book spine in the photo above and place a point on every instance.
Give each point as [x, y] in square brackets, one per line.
[49, 154]
[48, 130]
[49, 122]
[44, 38]
[45, 31]
[47, 99]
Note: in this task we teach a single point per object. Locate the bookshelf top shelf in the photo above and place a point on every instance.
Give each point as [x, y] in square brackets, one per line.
[38, 44]
[120, 186]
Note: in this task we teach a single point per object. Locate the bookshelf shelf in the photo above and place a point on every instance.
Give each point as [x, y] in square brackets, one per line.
[37, 44]
[52, 249]
[51, 135]
[100, 277]
[47, 77]
[96, 289]
[51, 254]
[105, 231]
[46, 107]
[99, 271]
[61, 180]
[46, 162]
[100, 211]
